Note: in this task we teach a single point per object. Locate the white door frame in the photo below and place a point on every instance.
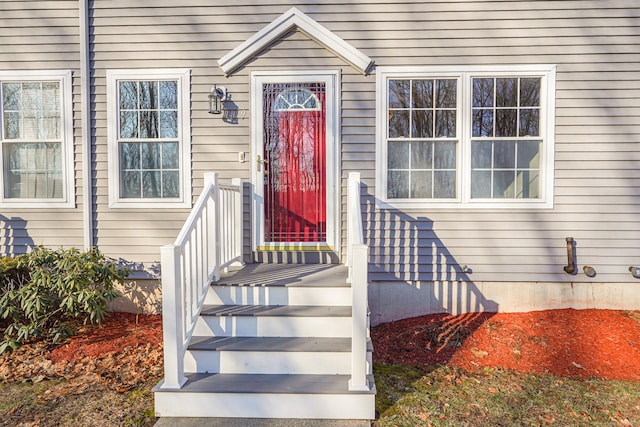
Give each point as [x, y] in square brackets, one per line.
[331, 79]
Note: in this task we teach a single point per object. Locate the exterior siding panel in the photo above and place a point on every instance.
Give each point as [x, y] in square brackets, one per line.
[596, 186]
[39, 36]
[596, 131]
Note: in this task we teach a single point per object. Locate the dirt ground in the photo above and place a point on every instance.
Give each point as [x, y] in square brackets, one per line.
[105, 373]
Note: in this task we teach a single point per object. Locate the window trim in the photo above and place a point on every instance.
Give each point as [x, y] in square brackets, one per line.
[66, 136]
[463, 162]
[182, 76]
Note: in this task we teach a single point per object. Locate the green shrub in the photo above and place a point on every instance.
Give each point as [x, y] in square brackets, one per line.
[12, 276]
[65, 287]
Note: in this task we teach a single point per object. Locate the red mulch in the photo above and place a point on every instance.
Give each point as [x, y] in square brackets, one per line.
[569, 343]
[116, 333]
[123, 353]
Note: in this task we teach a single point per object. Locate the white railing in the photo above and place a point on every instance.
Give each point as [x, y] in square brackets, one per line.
[210, 241]
[357, 263]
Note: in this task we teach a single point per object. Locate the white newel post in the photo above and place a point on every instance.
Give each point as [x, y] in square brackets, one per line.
[239, 223]
[172, 318]
[359, 381]
[213, 212]
[209, 219]
[353, 191]
[358, 265]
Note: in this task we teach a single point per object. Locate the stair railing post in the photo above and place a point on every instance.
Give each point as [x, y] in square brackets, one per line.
[359, 380]
[238, 220]
[213, 213]
[353, 188]
[209, 214]
[172, 318]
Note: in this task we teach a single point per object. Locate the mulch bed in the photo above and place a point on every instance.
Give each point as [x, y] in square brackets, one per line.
[126, 350]
[120, 331]
[569, 343]
[122, 354]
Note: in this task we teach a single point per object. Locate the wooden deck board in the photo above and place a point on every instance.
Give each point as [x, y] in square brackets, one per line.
[320, 275]
[315, 344]
[261, 383]
[276, 310]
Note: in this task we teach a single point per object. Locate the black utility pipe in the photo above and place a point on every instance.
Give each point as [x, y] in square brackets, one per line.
[570, 268]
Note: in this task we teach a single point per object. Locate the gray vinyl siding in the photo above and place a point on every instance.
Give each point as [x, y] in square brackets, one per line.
[165, 36]
[593, 43]
[597, 128]
[597, 180]
[43, 35]
[193, 38]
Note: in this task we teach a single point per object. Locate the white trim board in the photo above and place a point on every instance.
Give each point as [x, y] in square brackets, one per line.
[294, 18]
[64, 77]
[464, 75]
[182, 76]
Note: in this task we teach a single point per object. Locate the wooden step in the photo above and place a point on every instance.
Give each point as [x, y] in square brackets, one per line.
[271, 355]
[275, 311]
[277, 284]
[326, 275]
[274, 321]
[278, 295]
[268, 344]
[266, 396]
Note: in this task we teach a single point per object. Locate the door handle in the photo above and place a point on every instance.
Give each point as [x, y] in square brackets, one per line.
[259, 161]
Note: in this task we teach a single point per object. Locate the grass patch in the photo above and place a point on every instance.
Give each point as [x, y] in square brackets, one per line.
[407, 396]
[397, 381]
[21, 397]
[444, 396]
[28, 403]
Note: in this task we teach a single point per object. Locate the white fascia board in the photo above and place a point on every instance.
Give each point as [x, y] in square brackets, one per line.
[294, 18]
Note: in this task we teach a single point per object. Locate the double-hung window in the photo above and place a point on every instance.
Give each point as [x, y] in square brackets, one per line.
[475, 137]
[36, 139]
[149, 138]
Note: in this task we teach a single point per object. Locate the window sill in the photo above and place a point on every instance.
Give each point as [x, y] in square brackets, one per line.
[35, 204]
[422, 205]
[149, 204]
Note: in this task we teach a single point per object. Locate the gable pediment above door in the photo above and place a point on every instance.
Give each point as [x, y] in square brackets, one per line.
[291, 20]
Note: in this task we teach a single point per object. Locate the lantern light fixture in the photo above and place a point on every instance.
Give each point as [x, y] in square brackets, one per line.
[216, 99]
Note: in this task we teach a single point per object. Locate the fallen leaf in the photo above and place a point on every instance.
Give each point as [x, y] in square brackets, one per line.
[13, 410]
[547, 419]
[480, 354]
[37, 379]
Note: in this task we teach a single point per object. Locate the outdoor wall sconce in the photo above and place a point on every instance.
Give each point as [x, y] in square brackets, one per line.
[635, 271]
[216, 99]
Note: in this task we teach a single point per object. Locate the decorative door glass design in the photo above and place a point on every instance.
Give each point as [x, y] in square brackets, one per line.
[294, 162]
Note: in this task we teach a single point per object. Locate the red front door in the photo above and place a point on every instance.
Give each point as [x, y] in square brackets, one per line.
[295, 169]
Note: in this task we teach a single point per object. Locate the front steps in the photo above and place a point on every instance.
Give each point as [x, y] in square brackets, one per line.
[272, 341]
